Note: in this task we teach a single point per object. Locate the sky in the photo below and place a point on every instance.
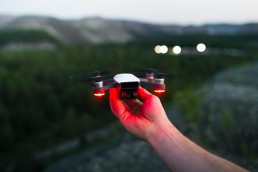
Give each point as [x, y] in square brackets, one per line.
[183, 12]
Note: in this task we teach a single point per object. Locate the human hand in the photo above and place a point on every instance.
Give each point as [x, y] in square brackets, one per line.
[146, 119]
[140, 117]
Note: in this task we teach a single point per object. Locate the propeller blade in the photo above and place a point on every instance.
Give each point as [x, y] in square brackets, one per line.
[81, 77]
[90, 76]
[165, 72]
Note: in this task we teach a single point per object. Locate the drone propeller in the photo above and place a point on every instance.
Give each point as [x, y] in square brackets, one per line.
[99, 84]
[95, 75]
[163, 75]
[166, 72]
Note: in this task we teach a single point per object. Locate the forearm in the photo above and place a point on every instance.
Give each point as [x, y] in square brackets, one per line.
[181, 154]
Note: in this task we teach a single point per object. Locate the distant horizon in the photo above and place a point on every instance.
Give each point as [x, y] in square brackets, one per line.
[198, 12]
[132, 20]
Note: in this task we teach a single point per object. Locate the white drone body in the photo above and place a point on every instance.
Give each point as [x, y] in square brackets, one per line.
[125, 77]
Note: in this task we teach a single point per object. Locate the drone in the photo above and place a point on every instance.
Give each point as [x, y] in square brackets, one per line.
[127, 83]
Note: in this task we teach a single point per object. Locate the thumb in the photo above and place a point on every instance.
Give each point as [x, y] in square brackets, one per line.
[144, 94]
[117, 106]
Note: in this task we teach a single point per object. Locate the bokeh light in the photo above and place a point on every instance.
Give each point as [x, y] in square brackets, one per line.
[176, 49]
[157, 49]
[201, 47]
[163, 49]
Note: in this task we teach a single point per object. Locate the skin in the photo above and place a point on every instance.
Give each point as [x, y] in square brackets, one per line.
[146, 119]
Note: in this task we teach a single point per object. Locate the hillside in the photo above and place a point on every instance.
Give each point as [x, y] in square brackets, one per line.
[98, 30]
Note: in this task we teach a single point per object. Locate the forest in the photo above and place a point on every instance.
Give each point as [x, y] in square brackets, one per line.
[40, 106]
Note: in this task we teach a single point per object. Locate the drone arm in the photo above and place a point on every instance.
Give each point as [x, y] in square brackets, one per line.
[109, 84]
[145, 81]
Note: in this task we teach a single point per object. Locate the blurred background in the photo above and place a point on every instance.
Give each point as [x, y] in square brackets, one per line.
[49, 123]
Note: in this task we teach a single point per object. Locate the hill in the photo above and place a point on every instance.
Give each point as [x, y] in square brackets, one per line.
[99, 30]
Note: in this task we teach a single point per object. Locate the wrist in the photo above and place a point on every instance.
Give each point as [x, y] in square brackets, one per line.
[162, 131]
[167, 142]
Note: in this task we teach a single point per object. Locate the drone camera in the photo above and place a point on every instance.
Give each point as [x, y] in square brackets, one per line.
[128, 94]
[129, 90]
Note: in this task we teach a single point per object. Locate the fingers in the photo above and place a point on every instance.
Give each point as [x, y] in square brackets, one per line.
[117, 106]
[132, 102]
[143, 93]
[134, 106]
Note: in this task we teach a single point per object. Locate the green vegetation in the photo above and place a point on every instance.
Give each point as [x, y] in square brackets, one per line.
[23, 36]
[40, 106]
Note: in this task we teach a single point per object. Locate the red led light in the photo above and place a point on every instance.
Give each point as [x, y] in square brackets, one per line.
[99, 94]
[159, 91]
